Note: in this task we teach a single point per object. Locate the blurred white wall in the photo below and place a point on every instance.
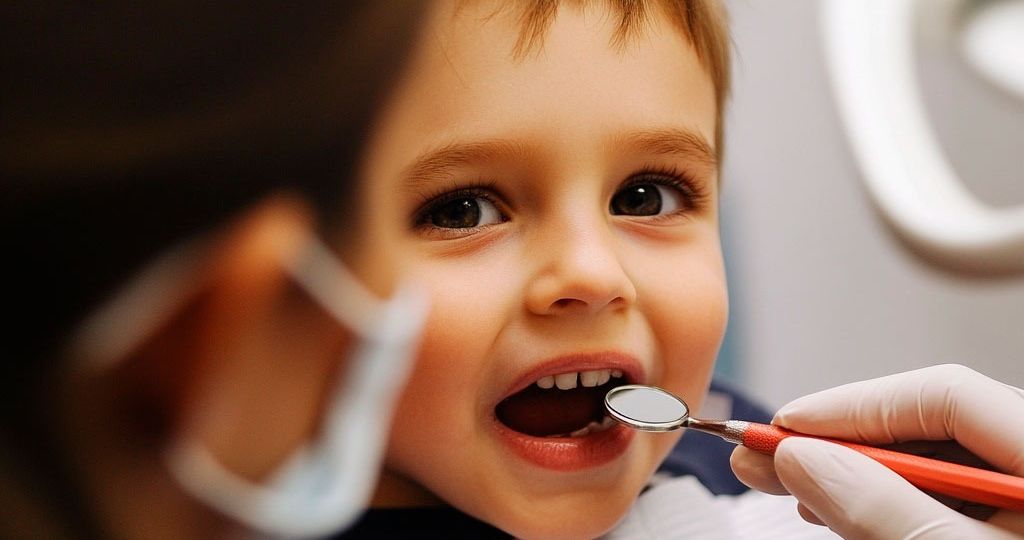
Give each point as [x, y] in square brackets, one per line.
[823, 293]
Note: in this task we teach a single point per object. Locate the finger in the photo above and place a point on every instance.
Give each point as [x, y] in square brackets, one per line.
[809, 517]
[1011, 521]
[756, 470]
[936, 403]
[860, 498]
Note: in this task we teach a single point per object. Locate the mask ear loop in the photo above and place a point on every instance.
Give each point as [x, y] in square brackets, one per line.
[327, 281]
[138, 309]
[325, 485]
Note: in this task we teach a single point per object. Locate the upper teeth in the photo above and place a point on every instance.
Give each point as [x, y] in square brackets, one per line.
[568, 381]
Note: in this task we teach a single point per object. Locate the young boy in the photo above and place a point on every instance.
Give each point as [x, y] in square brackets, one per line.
[558, 168]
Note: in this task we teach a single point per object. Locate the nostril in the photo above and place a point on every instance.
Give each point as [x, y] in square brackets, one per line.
[565, 302]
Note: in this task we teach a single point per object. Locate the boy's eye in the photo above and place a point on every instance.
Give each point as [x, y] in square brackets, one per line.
[462, 213]
[646, 200]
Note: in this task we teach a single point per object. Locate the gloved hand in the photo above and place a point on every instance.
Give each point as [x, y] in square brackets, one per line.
[858, 497]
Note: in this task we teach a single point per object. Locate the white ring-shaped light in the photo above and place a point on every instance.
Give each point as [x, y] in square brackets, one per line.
[993, 43]
[869, 49]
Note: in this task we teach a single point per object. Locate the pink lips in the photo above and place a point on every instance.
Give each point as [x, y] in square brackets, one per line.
[572, 453]
[567, 453]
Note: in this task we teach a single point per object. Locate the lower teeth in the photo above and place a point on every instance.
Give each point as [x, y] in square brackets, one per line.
[592, 427]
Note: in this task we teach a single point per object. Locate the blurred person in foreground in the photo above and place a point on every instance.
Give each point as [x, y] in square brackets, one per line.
[206, 338]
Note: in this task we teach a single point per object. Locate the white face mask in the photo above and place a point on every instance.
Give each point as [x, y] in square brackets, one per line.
[325, 485]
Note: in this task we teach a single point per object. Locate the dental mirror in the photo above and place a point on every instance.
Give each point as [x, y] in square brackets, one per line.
[646, 408]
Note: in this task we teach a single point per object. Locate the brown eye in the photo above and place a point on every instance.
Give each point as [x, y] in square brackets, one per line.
[463, 213]
[645, 200]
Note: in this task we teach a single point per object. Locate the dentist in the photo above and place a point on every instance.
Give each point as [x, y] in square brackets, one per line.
[858, 497]
[207, 342]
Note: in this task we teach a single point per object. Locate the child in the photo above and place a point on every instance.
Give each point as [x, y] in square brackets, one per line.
[558, 170]
[557, 165]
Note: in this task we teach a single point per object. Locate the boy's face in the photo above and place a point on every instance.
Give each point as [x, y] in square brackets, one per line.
[562, 207]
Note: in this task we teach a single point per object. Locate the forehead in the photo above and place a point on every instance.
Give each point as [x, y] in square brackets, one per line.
[466, 83]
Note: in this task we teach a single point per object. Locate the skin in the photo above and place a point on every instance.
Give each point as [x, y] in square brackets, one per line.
[556, 272]
[242, 346]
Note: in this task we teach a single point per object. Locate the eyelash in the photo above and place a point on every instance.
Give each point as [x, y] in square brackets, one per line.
[694, 195]
[485, 190]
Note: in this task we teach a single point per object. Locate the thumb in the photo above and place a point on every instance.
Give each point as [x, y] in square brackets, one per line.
[858, 497]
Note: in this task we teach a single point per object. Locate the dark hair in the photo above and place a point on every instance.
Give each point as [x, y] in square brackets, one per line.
[127, 127]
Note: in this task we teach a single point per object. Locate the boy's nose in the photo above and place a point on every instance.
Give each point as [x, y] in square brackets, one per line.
[581, 272]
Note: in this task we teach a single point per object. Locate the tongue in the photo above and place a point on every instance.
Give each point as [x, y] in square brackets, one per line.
[540, 412]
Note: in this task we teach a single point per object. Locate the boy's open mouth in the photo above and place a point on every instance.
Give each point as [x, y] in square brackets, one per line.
[569, 404]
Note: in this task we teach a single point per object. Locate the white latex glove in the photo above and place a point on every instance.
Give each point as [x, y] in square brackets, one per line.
[858, 497]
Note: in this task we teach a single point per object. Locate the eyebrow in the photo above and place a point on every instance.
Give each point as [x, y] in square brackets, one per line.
[435, 164]
[672, 141]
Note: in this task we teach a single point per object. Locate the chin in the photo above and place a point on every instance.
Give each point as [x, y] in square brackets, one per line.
[571, 529]
[561, 533]
[590, 516]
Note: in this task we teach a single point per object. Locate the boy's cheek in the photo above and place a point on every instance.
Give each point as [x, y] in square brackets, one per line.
[443, 391]
[446, 371]
[436, 413]
[688, 315]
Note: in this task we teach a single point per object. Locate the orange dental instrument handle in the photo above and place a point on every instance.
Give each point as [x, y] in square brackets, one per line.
[959, 481]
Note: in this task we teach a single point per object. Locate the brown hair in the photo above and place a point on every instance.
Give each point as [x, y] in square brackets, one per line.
[703, 22]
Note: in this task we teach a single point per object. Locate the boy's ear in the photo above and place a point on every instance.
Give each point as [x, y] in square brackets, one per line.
[244, 365]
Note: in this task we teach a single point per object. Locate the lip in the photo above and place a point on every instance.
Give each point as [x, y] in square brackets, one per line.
[567, 453]
[572, 453]
[632, 369]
